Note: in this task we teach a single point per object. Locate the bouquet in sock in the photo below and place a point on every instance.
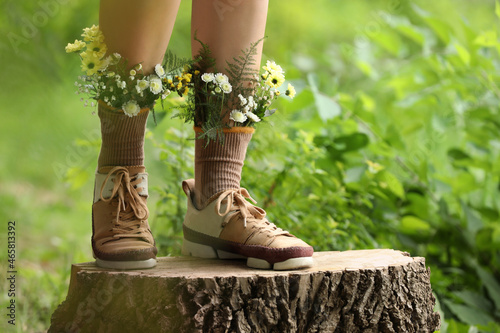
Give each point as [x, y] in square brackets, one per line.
[110, 79]
[243, 97]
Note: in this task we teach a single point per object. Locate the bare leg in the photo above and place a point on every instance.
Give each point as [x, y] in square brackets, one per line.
[227, 27]
[138, 29]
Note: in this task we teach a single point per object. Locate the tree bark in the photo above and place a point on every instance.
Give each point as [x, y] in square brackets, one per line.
[352, 291]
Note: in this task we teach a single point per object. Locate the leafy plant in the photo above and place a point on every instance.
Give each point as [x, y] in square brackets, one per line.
[401, 149]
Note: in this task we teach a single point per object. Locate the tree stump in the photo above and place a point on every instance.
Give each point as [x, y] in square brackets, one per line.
[352, 291]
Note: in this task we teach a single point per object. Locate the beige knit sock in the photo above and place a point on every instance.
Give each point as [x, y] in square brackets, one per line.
[122, 137]
[218, 167]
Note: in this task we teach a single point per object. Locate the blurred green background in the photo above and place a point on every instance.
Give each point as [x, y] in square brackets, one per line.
[392, 142]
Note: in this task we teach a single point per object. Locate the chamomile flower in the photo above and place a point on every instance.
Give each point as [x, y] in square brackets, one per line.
[274, 80]
[160, 71]
[207, 77]
[238, 116]
[155, 84]
[226, 87]
[290, 91]
[92, 34]
[142, 85]
[253, 117]
[221, 78]
[97, 48]
[133, 72]
[90, 64]
[75, 47]
[131, 108]
[218, 90]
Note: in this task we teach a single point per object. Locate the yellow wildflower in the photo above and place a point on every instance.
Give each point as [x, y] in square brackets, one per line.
[275, 80]
[90, 63]
[290, 91]
[75, 47]
[97, 48]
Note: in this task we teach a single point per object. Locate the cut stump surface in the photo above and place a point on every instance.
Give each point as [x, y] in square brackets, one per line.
[351, 291]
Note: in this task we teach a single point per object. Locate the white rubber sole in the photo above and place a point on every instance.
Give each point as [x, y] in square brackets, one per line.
[136, 264]
[208, 252]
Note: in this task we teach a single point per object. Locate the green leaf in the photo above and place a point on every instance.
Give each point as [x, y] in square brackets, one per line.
[413, 225]
[389, 41]
[474, 299]
[326, 106]
[491, 284]
[457, 154]
[392, 183]
[467, 314]
[440, 27]
[497, 8]
[412, 33]
[351, 142]
[474, 222]
[463, 53]
[487, 39]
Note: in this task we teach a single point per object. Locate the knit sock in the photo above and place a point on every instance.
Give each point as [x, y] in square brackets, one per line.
[122, 137]
[217, 167]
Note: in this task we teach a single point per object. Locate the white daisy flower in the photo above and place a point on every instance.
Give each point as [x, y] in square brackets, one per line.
[160, 71]
[131, 108]
[221, 78]
[253, 117]
[155, 84]
[246, 109]
[238, 116]
[218, 90]
[133, 72]
[138, 67]
[226, 87]
[142, 85]
[242, 99]
[207, 77]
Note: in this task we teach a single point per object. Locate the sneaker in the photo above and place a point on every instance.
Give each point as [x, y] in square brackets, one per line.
[121, 238]
[229, 227]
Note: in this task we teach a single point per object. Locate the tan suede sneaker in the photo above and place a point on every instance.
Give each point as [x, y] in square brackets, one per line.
[229, 227]
[121, 238]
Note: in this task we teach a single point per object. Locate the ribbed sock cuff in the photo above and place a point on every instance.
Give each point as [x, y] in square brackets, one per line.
[218, 166]
[122, 137]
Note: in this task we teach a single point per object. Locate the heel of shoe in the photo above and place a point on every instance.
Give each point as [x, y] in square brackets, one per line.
[198, 250]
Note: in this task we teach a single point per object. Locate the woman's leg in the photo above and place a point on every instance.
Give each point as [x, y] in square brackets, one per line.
[139, 30]
[228, 27]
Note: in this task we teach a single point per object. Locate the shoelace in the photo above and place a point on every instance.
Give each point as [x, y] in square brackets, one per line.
[236, 201]
[129, 213]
